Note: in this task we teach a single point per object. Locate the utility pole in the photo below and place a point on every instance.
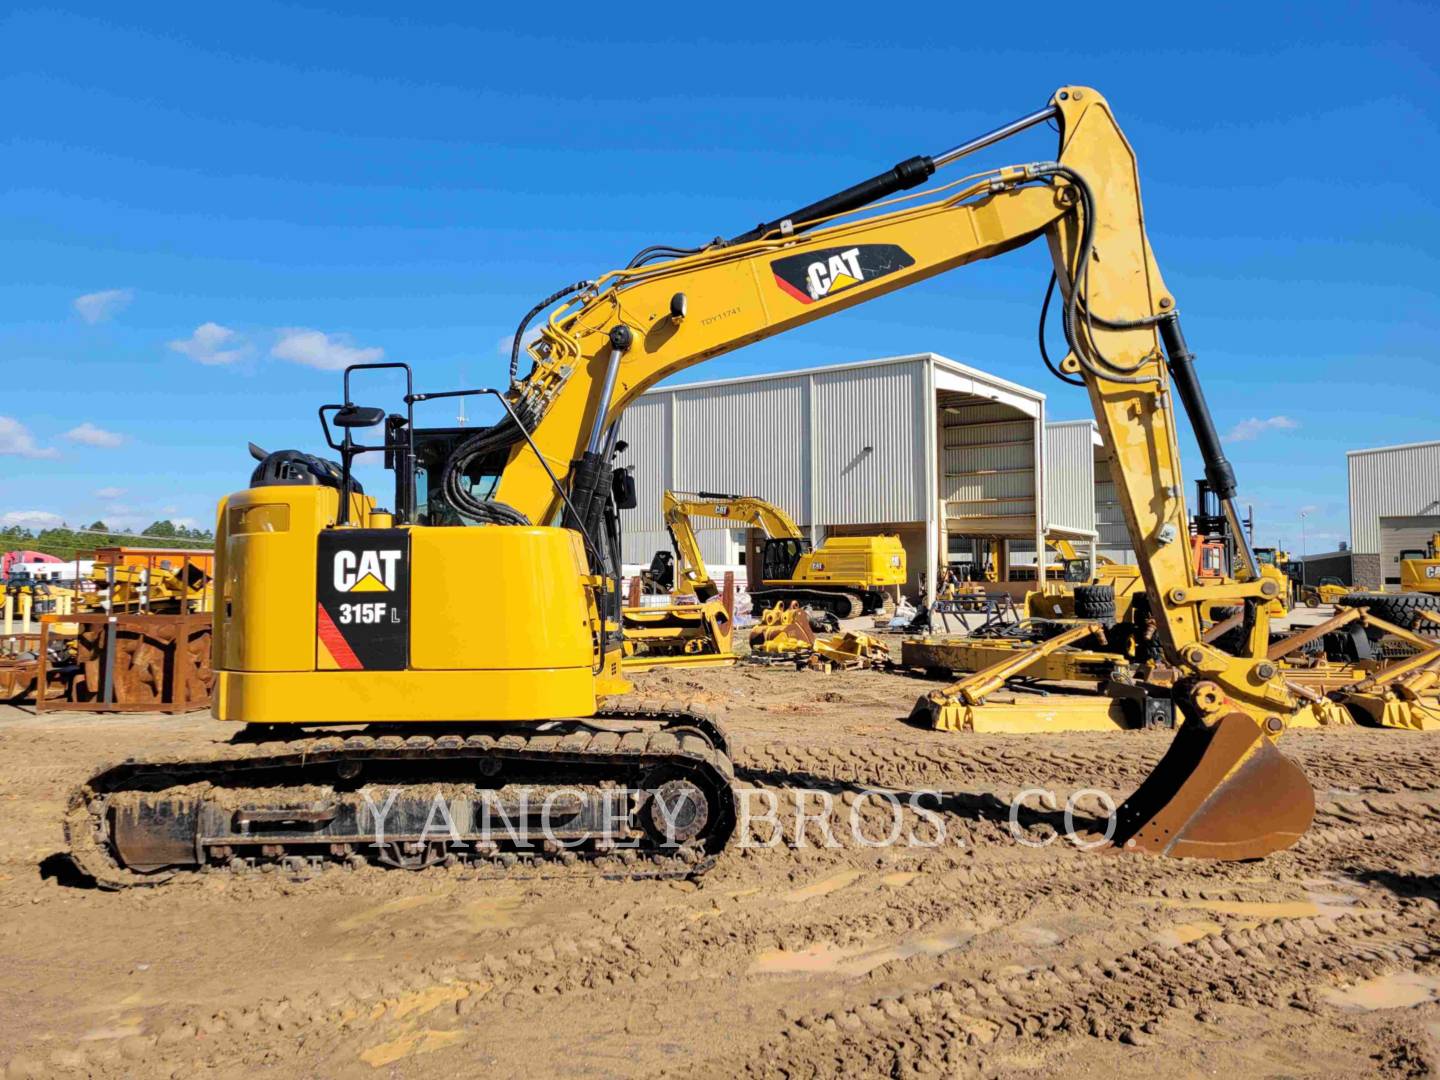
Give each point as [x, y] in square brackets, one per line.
[1302, 550]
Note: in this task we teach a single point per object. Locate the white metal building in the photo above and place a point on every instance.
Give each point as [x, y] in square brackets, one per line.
[1394, 507]
[922, 446]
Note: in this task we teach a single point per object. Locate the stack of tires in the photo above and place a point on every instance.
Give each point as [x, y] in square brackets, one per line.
[1095, 603]
[1401, 609]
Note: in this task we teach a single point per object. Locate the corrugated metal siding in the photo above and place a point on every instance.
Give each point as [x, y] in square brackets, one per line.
[1070, 474]
[639, 547]
[645, 426]
[1400, 482]
[1114, 538]
[1398, 534]
[989, 478]
[749, 439]
[883, 409]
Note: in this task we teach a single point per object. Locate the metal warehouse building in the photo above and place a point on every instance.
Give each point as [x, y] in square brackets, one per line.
[1394, 508]
[922, 446]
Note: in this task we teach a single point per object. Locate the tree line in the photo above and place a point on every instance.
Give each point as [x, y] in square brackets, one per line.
[69, 543]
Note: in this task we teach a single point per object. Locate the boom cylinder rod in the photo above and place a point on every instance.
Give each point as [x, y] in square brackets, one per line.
[1181, 363]
[1050, 112]
[621, 338]
[908, 174]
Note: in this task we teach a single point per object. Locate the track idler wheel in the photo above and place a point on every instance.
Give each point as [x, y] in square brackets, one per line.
[1220, 792]
[676, 812]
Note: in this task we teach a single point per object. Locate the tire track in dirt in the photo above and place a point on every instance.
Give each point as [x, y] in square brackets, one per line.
[1124, 997]
[674, 947]
[1381, 762]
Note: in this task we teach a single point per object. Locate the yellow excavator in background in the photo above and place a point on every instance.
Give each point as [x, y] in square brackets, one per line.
[845, 576]
[508, 695]
[1420, 570]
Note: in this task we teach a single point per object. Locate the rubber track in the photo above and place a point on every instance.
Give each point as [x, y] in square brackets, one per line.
[85, 826]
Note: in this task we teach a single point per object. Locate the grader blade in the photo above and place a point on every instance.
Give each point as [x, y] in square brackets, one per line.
[1220, 792]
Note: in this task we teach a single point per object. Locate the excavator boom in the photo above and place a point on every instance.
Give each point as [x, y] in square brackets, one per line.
[1223, 790]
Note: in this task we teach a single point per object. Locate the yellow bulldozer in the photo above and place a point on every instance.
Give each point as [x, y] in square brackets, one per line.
[507, 694]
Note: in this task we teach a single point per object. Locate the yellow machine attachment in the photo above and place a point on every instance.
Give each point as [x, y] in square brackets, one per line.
[971, 704]
[482, 617]
[851, 650]
[154, 588]
[845, 575]
[782, 630]
[677, 635]
[1403, 693]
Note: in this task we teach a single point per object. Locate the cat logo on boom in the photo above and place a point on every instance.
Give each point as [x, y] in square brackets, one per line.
[365, 571]
[826, 271]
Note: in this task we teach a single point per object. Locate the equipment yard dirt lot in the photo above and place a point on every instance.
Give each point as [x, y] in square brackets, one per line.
[981, 957]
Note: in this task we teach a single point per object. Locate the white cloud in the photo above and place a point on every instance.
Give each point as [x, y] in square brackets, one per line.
[98, 307]
[1254, 427]
[109, 492]
[212, 343]
[503, 345]
[16, 440]
[31, 519]
[316, 349]
[87, 434]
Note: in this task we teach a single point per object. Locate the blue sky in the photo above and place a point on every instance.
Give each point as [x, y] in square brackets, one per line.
[206, 208]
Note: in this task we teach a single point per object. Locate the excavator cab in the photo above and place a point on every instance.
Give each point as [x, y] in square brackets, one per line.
[780, 556]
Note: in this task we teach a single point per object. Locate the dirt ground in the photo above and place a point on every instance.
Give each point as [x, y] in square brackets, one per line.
[980, 957]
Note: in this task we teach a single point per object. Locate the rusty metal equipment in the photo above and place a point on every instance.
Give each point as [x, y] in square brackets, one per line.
[20, 667]
[126, 662]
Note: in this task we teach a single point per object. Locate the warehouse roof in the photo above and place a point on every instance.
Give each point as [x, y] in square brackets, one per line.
[1398, 446]
[951, 375]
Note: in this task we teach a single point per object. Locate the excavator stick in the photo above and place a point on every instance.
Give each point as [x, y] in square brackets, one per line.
[1222, 791]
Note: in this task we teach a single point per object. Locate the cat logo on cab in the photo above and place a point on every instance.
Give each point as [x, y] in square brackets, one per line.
[366, 571]
[362, 593]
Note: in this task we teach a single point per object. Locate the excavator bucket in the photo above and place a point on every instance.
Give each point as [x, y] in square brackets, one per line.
[1220, 792]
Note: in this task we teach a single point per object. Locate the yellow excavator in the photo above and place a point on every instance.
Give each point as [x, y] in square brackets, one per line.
[845, 576]
[467, 643]
[1420, 570]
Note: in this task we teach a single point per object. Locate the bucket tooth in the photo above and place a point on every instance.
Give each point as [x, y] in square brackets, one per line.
[1220, 792]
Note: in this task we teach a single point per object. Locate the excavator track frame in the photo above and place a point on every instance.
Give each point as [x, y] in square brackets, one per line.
[627, 744]
[821, 599]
